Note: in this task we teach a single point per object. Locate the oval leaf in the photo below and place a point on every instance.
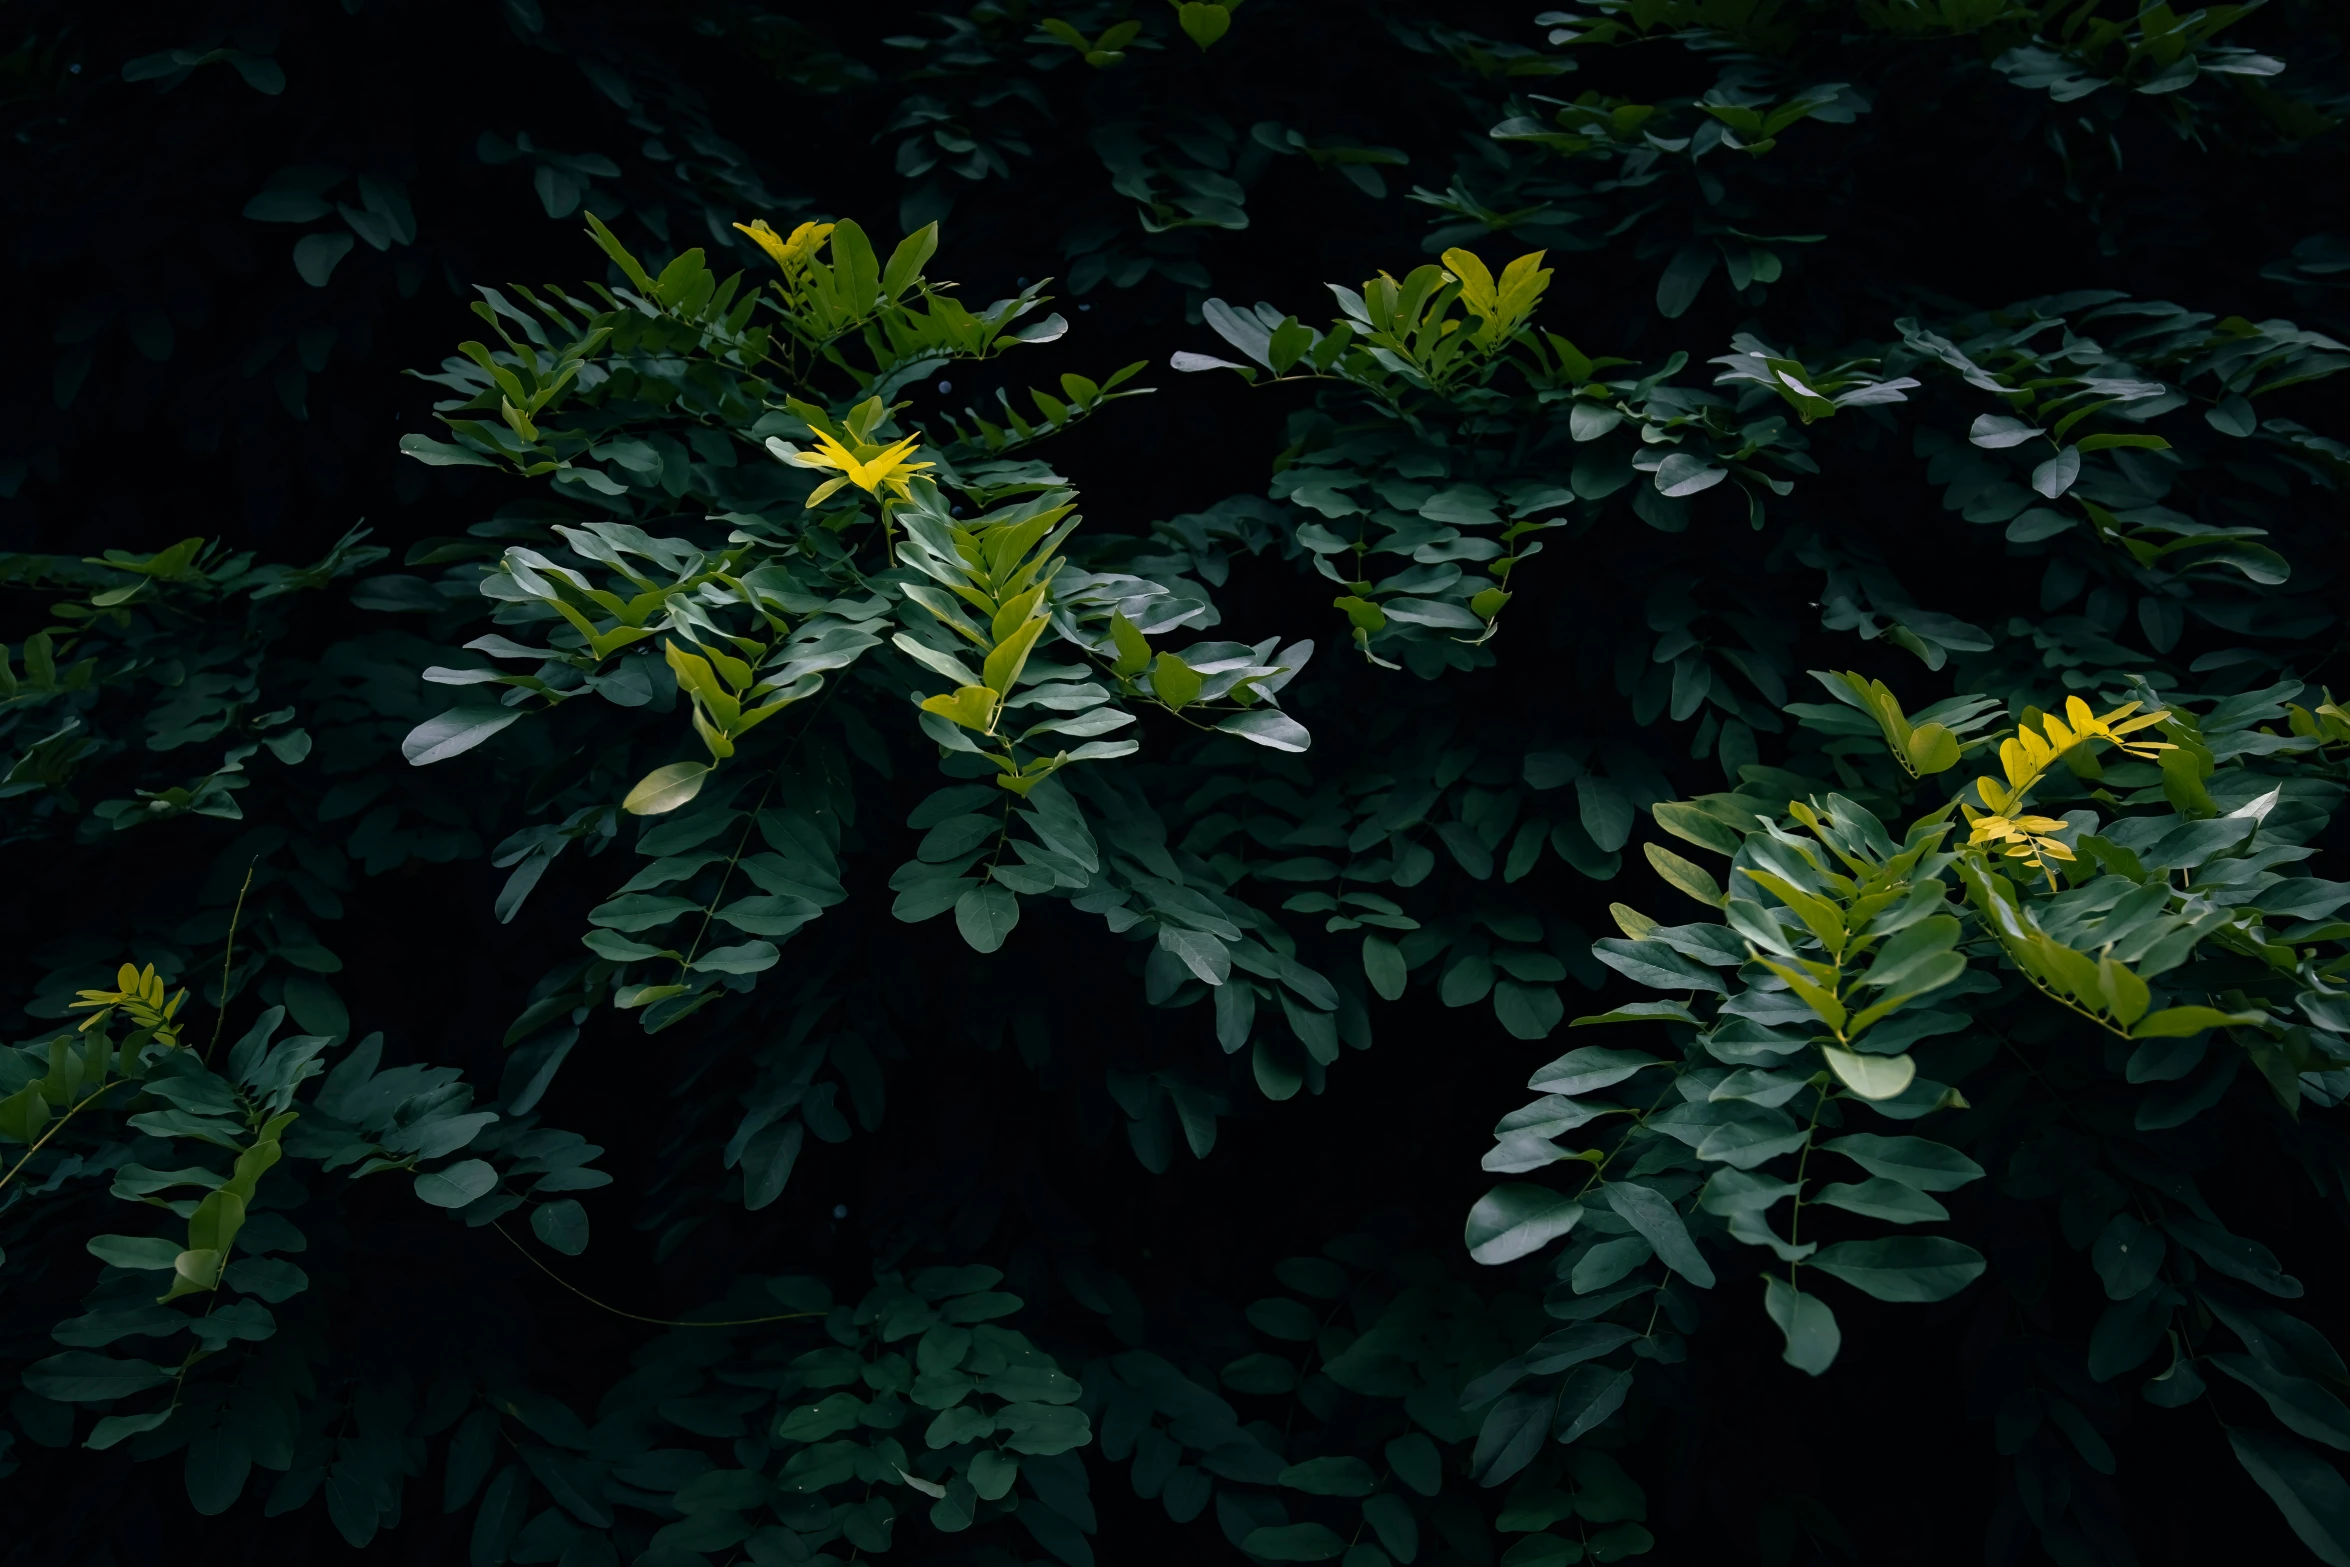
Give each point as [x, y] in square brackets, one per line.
[457, 1185]
[666, 788]
[1516, 1218]
[1903, 1267]
[454, 733]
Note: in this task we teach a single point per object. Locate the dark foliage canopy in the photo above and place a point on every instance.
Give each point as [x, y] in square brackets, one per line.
[798, 784]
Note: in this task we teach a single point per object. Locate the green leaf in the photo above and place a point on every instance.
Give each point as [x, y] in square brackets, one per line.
[985, 916]
[1590, 1069]
[79, 1377]
[973, 707]
[458, 1184]
[1812, 1335]
[562, 1224]
[2055, 476]
[1871, 1077]
[630, 267]
[1002, 668]
[1694, 824]
[1686, 875]
[1268, 727]
[1932, 749]
[1660, 1224]
[1903, 1267]
[1912, 958]
[2306, 1487]
[665, 788]
[750, 957]
[150, 1253]
[906, 262]
[1042, 1430]
[317, 255]
[1527, 1011]
[116, 1428]
[440, 454]
[1880, 1198]
[454, 733]
[1264, 1375]
[2234, 1255]
[1203, 24]
[1656, 965]
[1416, 1462]
[1683, 277]
[1515, 1219]
[1572, 1346]
[2186, 1022]
[1588, 1396]
[1175, 682]
[1640, 1012]
[2127, 1255]
[1340, 1476]
[1133, 651]
[1913, 1161]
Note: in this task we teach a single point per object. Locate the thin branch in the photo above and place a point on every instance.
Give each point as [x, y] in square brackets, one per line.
[659, 1322]
[220, 1013]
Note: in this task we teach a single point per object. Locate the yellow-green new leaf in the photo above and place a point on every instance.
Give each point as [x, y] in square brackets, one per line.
[1134, 653]
[1824, 918]
[2125, 995]
[193, 1272]
[1477, 290]
[1871, 1077]
[906, 262]
[1686, 875]
[1202, 23]
[1176, 683]
[1932, 749]
[2182, 1022]
[971, 706]
[1816, 997]
[1016, 612]
[1634, 924]
[1002, 669]
[664, 789]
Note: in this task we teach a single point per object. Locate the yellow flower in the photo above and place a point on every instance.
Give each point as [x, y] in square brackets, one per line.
[869, 468]
[793, 253]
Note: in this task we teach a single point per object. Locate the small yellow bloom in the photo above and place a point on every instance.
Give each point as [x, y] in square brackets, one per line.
[870, 468]
[793, 253]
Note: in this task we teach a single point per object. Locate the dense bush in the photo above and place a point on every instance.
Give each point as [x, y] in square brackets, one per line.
[646, 945]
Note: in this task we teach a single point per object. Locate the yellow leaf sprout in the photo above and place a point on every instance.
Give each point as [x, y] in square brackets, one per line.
[2025, 758]
[793, 253]
[870, 468]
[140, 995]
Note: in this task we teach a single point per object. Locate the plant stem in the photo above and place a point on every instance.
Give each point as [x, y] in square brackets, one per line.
[220, 1013]
[54, 1130]
[659, 1322]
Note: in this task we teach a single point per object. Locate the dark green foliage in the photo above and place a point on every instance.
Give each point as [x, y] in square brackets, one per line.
[730, 976]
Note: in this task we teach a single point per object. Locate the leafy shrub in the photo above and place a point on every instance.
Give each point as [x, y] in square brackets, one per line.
[753, 740]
